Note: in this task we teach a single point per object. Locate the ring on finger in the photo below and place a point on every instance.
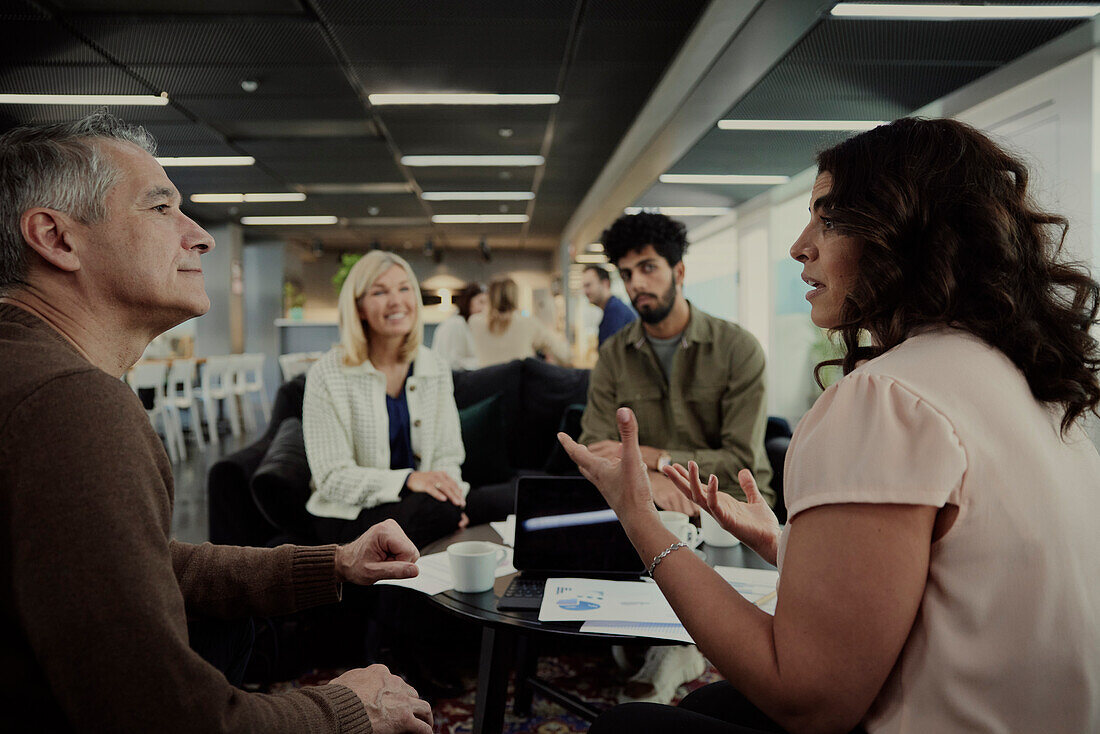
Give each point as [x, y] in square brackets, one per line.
[438, 485]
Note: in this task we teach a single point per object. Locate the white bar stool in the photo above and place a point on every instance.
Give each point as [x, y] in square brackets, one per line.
[152, 376]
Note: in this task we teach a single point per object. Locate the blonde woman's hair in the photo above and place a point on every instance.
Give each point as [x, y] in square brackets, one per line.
[503, 300]
[353, 334]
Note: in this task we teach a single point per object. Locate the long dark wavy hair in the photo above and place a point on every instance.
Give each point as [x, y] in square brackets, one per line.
[951, 237]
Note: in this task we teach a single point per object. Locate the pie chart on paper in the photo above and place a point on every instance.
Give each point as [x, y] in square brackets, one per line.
[577, 605]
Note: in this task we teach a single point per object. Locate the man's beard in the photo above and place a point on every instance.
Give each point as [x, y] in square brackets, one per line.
[656, 313]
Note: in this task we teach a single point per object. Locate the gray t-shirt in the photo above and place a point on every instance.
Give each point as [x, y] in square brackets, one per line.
[665, 349]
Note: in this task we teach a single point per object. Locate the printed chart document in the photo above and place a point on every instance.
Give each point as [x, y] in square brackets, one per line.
[435, 574]
[639, 609]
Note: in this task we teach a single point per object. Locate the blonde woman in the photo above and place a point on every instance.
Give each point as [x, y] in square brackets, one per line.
[381, 427]
[501, 334]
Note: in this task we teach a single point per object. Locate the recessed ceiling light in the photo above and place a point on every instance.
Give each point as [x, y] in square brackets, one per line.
[680, 211]
[289, 220]
[913, 11]
[138, 100]
[506, 132]
[478, 195]
[355, 188]
[247, 198]
[472, 160]
[725, 179]
[479, 218]
[208, 160]
[462, 99]
[811, 125]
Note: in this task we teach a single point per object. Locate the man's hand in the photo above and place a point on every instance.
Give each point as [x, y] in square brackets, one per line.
[438, 484]
[383, 552]
[668, 497]
[393, 706]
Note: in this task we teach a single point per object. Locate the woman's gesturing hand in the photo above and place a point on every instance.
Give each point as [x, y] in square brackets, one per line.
[438, 484]
[622, 481]
[752, 521]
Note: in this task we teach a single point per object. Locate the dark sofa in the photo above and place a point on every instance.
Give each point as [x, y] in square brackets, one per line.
[256, 496]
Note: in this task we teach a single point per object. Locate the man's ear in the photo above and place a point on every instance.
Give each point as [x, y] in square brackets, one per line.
[679, 271]
[49, 232]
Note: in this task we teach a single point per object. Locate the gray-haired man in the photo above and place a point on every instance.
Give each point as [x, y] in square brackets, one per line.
[96, 259]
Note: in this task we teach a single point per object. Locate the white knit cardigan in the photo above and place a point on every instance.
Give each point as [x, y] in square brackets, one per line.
[347, 432]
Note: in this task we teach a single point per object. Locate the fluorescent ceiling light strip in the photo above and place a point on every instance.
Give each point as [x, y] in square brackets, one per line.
[288, 220]
[595, 247]
[806, 125]
[241, 198]
[479, 218]
[592, 258]
[473, 160]
[724, 179]
[680, 211]
[208, 160]
[478, 195]
[130, 100]
[462, 99]
[915, 11]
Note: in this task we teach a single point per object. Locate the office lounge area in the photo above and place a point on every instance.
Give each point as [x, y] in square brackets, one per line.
[647, 106]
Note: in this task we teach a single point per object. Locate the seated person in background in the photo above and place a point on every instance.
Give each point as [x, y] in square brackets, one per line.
[939, 569]
[452, 341]
[596, 283]
[501, 334]
[696, 382]
[96, 259]
[381, 428]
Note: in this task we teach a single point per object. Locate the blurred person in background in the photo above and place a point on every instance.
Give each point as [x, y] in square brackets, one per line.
[596, 283]
[452, 341]
[502, 334]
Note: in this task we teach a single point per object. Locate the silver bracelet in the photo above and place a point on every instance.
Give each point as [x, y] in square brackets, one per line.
[661, 556]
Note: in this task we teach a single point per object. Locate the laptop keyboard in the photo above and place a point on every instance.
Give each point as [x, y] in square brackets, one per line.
[522, 594]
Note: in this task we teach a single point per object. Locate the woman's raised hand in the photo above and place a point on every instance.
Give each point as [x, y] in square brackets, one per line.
[438, 484]
[752, 521]
[623, 482]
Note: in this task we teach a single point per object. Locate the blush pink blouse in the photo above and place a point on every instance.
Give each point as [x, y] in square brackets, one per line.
[1007, 638]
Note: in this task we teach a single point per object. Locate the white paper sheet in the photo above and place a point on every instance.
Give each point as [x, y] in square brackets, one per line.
[656, 630]
[568, 600]
[506, 529]
[435, 574]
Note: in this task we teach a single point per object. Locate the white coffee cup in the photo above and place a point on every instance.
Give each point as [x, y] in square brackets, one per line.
[680, 525]
[474, 564]
[714, 534]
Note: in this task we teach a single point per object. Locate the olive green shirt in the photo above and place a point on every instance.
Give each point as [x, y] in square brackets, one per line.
[712, 410]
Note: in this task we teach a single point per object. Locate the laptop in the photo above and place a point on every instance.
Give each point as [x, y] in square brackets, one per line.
[564, 527]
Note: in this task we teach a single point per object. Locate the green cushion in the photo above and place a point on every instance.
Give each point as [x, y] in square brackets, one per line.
[486, 448]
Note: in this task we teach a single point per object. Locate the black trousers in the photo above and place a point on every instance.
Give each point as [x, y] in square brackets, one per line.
[423, 518]
[715, 709]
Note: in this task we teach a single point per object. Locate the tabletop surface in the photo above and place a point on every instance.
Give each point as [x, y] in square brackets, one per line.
[481, 607]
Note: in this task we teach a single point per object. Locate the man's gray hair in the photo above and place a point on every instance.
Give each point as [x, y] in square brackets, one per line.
[58, 167]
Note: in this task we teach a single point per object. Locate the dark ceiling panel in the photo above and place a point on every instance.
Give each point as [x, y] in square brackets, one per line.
[478, 178]
[466, 130]
[38, 41]
[82, 78]
[445, 12]
[180, 7]
[235, 109]
[50, 114]
[753, 152]
[220, 80]
[415, 75]
[183, 40]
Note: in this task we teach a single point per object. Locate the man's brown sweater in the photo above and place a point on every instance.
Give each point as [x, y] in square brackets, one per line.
[94, 595]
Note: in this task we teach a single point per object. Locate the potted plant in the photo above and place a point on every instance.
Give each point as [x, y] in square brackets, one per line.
[347, 260]
[293, 300]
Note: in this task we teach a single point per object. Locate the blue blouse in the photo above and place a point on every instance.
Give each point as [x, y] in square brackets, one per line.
[401, 453]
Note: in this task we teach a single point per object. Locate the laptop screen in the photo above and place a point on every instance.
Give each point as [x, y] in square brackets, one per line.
[564, 526]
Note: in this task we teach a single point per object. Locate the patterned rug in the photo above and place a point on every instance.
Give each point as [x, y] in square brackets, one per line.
[588, 674]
